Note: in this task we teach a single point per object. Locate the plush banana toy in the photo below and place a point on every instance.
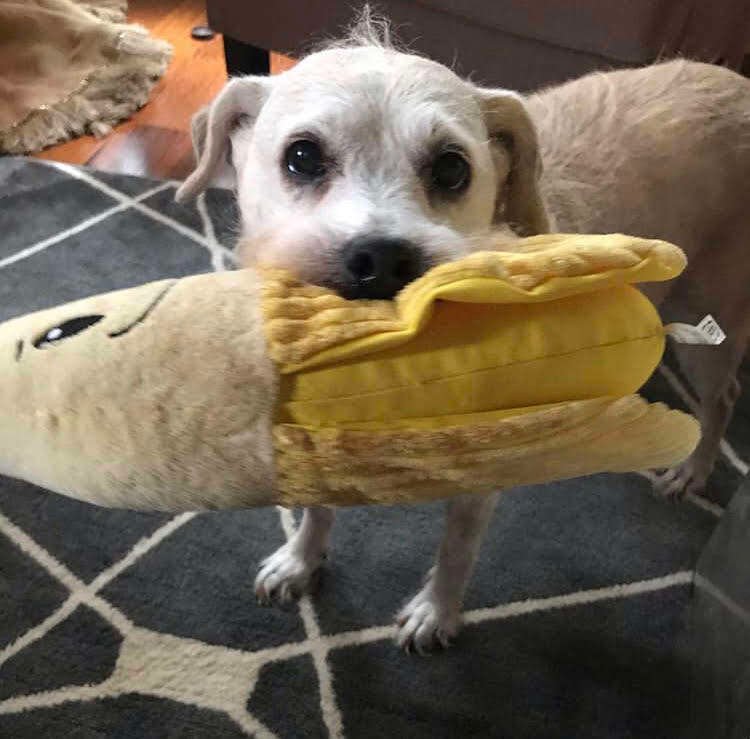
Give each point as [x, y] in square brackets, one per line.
[243, 389]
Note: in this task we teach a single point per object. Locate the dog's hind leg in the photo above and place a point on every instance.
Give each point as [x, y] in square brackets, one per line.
[715, 382]
[716, 282]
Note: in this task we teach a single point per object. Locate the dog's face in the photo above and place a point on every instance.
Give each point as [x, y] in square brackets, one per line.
[362, 167]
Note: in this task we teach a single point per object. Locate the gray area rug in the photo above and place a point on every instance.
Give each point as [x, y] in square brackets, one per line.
[120, 624]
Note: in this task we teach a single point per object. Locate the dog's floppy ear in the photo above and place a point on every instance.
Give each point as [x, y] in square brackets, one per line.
[242, 98]
[198, 131]
[508, 123]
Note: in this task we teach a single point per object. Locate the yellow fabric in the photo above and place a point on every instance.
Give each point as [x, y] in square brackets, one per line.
[496, 451]
[556, 320]
[309, 326]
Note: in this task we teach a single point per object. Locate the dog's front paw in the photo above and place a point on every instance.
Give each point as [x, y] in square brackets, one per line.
[679, 481]
[285, 575]
[426, 622]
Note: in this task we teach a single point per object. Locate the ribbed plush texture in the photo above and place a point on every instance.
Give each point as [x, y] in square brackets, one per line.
[304, 320]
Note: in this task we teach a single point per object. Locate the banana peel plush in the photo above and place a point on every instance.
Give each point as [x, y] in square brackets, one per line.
[242, 389]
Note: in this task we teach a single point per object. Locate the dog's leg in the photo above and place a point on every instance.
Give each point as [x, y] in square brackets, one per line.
[289, 571]
[715, 281]
[713, 375]
[432, 616]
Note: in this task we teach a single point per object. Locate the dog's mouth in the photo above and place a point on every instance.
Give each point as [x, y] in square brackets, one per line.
[366, 289]
[369, 286]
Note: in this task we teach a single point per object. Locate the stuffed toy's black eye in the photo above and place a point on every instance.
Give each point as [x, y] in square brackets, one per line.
[450, 172]
[66, 330]
[305, 159]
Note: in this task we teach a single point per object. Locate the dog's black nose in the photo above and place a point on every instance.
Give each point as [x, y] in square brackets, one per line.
[378, 267]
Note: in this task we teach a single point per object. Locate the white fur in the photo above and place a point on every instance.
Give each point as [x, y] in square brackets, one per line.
[379, 113]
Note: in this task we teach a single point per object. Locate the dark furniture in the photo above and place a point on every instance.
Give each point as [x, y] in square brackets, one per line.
[717, 639]
[513, 43]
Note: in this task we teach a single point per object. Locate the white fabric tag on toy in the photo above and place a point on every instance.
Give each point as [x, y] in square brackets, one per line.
[707, 332]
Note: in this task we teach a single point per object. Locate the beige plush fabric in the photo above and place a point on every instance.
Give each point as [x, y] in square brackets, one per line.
[70, 67]
[163, 404]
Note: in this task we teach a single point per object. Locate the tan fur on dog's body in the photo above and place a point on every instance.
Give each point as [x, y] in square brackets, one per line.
[664, 152]
[637, 150]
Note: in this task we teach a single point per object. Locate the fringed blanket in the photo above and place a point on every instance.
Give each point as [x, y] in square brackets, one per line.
[71, 67]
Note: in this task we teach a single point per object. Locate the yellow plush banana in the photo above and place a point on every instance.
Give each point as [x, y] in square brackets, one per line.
[239, 389]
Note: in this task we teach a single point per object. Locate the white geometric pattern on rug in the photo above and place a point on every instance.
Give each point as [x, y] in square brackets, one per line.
[217, 677]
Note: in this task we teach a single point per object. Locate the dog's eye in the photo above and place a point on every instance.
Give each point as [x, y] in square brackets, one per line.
[66, 330]
[450, 172]
[304, 158]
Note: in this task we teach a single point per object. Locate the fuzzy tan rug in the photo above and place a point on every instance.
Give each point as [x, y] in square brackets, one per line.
[71, 67]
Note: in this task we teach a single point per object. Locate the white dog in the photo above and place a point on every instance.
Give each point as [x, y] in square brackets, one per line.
[363, 165]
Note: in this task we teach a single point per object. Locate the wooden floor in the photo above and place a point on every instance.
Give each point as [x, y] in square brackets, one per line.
[155, 142]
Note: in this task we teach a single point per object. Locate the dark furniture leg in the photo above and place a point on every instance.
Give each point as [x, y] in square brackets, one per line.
[243, 58]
